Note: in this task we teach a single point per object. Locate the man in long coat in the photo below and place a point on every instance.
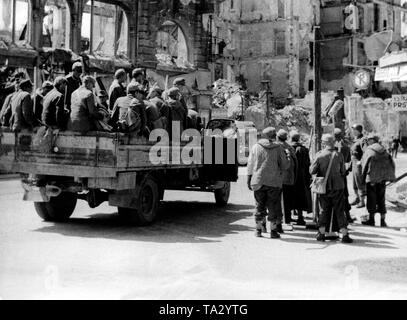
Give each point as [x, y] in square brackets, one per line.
[344, 149]
[290, 176]
[378, 168]
[331, 203]
[357, 150]
[303, 201]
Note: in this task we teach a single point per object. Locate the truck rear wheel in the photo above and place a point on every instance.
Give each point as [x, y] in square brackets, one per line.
[222, 195]
[58, 209]
[147, 204]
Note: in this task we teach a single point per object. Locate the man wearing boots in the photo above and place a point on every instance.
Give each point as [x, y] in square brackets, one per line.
[344, 149]
[377, 168]
[329, 163]
[290, 176]
[303, 201]
[357, 150]
[266, 165]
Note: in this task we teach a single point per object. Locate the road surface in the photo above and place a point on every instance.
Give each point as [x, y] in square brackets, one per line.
[194, 251]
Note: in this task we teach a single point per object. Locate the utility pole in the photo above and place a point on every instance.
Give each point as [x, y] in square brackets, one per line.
[317, 91]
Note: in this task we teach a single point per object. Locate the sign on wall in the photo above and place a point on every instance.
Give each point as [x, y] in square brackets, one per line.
[361, 79]
[399, 102]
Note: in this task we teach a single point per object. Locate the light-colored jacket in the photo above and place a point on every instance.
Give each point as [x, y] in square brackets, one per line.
[267, 164]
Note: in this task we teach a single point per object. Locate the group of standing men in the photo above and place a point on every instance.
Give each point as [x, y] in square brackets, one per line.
[280, 174]
[69, 103]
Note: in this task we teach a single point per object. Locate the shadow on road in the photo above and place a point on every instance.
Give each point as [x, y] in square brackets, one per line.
[185, 222]
[361, 239]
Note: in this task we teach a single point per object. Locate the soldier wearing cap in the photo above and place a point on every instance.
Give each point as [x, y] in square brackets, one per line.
[290, 176]
[155, 98]
[39, 96]
[117, 89]
[357, 150]
[178, 112]
[129, 114]
[138, 78]
[331, 203]
[185, 92]
[303, 201]
[336, 110]
[11, 89]
[54, 113]
[266, 166]
[84, 112]
[343, 148]
[73, 83]
[377, 168]
[22, 110]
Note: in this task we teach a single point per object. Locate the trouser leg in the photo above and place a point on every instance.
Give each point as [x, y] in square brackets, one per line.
[275, 214]
[287, 196]
[371, 200]
[338, 210]
[261, 209]
[325, 203]
[381, 198]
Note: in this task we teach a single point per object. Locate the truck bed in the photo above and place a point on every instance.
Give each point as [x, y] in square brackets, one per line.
[96, 154]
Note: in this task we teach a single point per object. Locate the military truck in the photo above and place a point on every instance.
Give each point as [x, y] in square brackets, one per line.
[59, 168]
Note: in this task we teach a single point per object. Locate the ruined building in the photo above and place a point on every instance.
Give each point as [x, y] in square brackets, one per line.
[258, 40]
[166, 37]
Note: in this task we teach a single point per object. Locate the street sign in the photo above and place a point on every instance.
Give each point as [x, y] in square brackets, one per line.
[399, 102]
[361, 79]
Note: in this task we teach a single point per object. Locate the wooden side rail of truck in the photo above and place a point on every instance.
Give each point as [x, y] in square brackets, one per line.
[112, 167]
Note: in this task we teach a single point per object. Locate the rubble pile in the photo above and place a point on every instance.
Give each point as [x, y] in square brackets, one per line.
[224, 91]
[229, 96]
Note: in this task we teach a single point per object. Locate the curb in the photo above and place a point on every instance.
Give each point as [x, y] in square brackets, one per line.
[11, 176]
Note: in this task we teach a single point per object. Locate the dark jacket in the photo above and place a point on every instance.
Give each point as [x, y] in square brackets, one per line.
[22, 113]
[178, 112]
[83, 111]
[358, 149]
[303, 182]
[116, 91]
[320, 167]
[153, 115]
[72, 85]
[267, 164]
[54, 113]
[344, 149]
[291, 173]
[5, 113]
[121, 108]
[163, 107]
[377, 165]
[38, 104]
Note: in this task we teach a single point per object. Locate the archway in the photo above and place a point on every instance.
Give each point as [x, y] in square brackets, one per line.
[56, 24]
[109, 32]
[14, 20]
[171, 46]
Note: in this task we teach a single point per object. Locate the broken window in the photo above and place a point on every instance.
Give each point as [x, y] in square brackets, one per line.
[104, 30]
[171, 46]
[403, 30]
[280, 43]
[281, 9]
[56, 24]
[14, 22]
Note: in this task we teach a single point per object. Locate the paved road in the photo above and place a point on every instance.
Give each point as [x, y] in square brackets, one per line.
[194, 251]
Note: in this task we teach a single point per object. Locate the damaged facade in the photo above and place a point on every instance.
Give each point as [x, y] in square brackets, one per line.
[164, 36]
[258, 40]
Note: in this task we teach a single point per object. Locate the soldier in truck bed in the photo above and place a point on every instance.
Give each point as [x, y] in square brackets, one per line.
[22, 113]
[73, 83]
[83, 108]
[129, 114]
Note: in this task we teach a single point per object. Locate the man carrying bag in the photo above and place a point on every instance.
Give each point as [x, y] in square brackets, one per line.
[329, 168]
